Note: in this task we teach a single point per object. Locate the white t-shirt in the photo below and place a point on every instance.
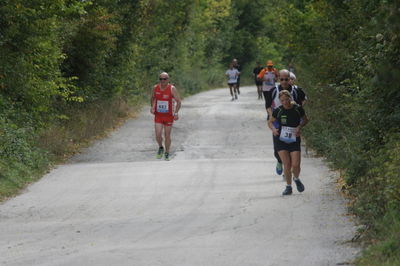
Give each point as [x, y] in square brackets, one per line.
[232, 75]
[268, 81]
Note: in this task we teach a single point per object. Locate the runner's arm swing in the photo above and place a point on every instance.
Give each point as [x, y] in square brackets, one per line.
[304, 120]
[152, 102]
[274, 130]
[177, 99]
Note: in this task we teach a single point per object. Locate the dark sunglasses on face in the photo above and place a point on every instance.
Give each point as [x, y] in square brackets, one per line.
[286, 79]
[163, 78]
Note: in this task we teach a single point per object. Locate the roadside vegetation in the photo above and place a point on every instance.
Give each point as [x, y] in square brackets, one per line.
[72, 70]
[347, 56]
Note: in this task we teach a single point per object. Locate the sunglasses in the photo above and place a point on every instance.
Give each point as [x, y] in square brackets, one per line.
[163, 78]
[285, 79]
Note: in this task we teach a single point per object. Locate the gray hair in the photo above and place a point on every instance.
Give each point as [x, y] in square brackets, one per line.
[285, 72]
[164, 73]
[292, 75]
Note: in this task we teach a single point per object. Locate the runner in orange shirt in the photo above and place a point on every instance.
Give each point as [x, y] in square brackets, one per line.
[165, 112]
[268, 76]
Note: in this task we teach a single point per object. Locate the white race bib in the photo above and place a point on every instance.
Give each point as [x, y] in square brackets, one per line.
[162, 106]
[269, 81]
[288, 134]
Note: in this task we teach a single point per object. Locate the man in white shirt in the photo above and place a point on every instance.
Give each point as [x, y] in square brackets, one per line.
[232, 74]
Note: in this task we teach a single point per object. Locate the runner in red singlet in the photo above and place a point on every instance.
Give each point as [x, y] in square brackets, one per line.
[165, 112]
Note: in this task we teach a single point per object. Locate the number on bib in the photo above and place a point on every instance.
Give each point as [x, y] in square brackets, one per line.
[288, 134]
[162, 106]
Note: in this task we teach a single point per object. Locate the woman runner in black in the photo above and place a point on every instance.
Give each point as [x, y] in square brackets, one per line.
[291, 118]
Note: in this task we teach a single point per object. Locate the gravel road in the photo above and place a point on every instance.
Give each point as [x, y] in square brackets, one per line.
[217, 202]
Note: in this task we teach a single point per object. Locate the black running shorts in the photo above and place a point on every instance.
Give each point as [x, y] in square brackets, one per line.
[283, 146]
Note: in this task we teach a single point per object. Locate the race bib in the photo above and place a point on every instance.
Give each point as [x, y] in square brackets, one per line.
[288, 134]
[270, 82]
[269, 79]
[162, 106]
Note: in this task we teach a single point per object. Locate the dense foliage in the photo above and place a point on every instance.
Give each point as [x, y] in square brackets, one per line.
[70, 68]
[347, 54]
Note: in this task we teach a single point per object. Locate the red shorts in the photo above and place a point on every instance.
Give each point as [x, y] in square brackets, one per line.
[165, 120]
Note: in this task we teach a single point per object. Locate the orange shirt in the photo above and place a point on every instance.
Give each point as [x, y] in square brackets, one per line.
[261, 74]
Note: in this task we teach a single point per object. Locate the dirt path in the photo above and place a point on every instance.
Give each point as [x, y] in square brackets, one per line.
[217, 202]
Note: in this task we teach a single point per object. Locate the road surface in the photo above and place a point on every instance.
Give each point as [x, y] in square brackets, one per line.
[217, 202]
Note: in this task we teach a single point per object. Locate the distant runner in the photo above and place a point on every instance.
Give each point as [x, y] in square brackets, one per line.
[268, 76]
[258, 81]
[291, 119]
[302, 95]
[232, 74]
[165, 112]
[239, 68]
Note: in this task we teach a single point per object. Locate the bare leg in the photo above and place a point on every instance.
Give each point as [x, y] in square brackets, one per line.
[231, 90]
[295, 159]
[260, 94]
[167, 131]
[158, 127]
[287, 165]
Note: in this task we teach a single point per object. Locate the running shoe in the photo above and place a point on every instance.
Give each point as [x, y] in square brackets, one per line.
[279, 168]
[166, 156]
[233, 99]
[160, 152]
[287, 191]
[299, 185]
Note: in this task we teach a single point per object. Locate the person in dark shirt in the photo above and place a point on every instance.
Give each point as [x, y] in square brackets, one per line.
[258, 81]
[239, 68]
[291, 119]
[301, 94]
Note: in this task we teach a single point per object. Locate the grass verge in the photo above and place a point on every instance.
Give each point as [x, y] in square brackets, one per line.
[382, 242]
[25, 158]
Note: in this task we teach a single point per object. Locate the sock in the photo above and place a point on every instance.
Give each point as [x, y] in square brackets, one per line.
[296, 178]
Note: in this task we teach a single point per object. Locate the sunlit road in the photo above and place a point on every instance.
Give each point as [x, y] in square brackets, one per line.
[217, 202]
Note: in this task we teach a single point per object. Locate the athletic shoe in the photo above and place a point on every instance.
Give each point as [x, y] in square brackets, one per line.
[279, 168]
[287, 191]
[299, 185]
[160, 152]
[236, 96]
[233, 99]
[166, 155]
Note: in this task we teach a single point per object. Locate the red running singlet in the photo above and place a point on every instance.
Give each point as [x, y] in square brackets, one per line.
[163, 109]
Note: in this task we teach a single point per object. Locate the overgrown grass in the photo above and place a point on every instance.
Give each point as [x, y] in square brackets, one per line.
[82, 124]
[384, 242]
[26, 155]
